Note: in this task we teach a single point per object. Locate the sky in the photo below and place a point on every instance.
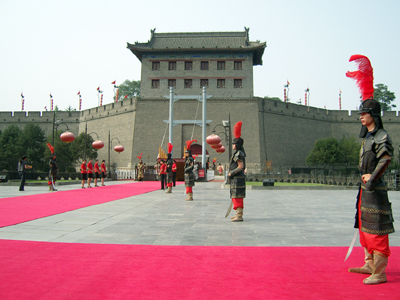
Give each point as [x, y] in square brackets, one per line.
[63, 47]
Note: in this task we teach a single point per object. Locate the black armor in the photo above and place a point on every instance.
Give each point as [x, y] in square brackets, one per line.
[169, 170]
[376, 210]
[238, 178]
[189, 176]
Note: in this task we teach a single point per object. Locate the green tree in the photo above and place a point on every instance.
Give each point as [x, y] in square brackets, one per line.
[63, 153]
[129, 89]
[33, 141]
[384, 96]
[78, 148]
[325, 151]
[70, 109]
[349, 150]
[10, 148]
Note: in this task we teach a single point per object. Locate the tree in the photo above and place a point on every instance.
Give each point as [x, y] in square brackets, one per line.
[10, 148]
[384, 96]
[129, 89]
[349, 150]
[33, 141]
[331, 151]
[69, 110]
[78, 148]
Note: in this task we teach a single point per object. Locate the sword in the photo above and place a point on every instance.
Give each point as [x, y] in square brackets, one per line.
[351, 245]
[229, 209]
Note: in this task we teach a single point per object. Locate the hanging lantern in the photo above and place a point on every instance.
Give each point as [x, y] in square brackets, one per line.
[221, 150]
[67, 137]
[216, 146]
[119, 148]
[213, 139]
[98, 144]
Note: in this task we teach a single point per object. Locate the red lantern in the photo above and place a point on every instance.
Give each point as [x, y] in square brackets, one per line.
[119, 148]
[221, 150]
[213, 139]
[67, 137]
[98, 144]
[216, 146]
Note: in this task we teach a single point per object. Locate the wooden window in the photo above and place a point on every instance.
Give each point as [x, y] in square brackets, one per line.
[172, 65]
[188, 65]
[221, 65]
[204, 65]
[220, 83]
[172, 83]
[155, 83]
[188, 83]
[237, 83]
[155, 66]
[237, 65]
[203, 82]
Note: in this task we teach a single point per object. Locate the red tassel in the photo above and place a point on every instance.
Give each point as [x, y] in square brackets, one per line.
[170, 146]
[364, 76]
[237, 130]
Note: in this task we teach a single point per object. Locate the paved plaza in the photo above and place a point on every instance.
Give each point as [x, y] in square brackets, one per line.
[272, 217]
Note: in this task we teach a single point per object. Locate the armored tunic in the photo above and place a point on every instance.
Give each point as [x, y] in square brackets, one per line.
[189, 176]
[169, 171]
[238, 180]
[376, 210]
[53, 168]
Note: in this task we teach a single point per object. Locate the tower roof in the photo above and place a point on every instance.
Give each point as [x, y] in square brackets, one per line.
[199, 41]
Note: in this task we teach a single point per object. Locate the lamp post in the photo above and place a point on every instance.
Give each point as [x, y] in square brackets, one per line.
[55, 126]
[99, 143]
[227, 132]
[109, 151]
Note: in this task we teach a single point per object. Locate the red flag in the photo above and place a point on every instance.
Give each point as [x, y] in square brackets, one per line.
[98, 88]
[79, 93]
[126, 97]
[113, 82]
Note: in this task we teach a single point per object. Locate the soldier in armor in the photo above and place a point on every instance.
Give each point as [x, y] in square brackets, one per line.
[140, 170]
[374, 217]
[236, 173]
[169, 163]
[53, 172]
[189, 175]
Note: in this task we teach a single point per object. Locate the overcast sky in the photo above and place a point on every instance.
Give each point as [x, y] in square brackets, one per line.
[62, 47]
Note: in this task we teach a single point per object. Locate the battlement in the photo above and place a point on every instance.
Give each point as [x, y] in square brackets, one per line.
[110, 109]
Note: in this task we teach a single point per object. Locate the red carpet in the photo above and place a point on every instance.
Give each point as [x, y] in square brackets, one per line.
[16, 210]
[42, 270]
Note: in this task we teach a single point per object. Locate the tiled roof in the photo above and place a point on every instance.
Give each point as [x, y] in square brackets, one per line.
[195, 41]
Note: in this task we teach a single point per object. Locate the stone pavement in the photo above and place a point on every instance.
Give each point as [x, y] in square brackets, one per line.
[271, 218]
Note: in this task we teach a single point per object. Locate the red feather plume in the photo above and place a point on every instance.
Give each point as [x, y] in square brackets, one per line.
[364, 76]
[170, 146]
[51, 148]
[237, 130]
[189, 144]
[140, 156]
[195, 156]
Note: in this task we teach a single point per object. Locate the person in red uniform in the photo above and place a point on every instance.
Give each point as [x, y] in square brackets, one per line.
[96, 172]
[174, 169]
[83, 173]
[169, 164]
[103, 172]
[89, 173]
[163, 173]
[374, 218]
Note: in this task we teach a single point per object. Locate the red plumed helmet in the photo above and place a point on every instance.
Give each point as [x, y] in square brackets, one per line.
[189, 144]
[51, 148]
[364, 76]
[170, 146]
[140, 156]
[237, 129]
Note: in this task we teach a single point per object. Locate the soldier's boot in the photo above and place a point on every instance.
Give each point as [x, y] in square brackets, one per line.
[379, 270]
[169, 190]
[190, 197]
[368, 267]
[239, 215]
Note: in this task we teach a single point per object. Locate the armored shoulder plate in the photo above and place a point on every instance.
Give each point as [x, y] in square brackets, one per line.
[382, 136]
[383, 143]
[239, 155]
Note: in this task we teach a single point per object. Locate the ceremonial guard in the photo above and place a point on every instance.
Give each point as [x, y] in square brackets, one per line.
[374, 218]
[53, 169]
[140, 170]
[189, 176]
[96, 172]
[83, 173]
[103, 172]
[169, 164]
[236, 173]
[174, 169]
[163, 174]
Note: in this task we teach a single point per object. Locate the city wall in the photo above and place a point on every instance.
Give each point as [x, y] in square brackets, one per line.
[283, 133]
